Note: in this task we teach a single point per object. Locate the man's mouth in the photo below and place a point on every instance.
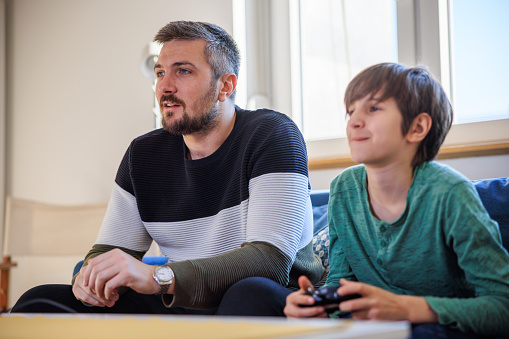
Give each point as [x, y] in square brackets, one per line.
[170, 101]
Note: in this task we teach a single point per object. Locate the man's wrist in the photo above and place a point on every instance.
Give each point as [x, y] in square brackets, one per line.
[164, 277]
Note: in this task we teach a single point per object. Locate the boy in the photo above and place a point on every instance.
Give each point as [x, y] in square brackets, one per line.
[408, 234]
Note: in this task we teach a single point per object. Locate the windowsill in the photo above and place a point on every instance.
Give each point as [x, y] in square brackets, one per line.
[446, 152]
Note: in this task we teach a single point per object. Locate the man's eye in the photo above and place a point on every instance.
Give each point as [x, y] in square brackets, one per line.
[159, 74]
[184, 71]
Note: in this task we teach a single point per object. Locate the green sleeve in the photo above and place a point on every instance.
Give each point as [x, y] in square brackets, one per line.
[476, 240]
[338, 263]
[201, 283]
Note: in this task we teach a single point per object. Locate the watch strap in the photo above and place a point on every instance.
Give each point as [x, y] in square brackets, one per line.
[163, 289]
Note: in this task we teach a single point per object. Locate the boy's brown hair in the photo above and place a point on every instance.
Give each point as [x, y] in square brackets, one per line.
[415, 91]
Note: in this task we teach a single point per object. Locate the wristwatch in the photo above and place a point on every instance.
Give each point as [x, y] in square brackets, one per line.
[163, 275]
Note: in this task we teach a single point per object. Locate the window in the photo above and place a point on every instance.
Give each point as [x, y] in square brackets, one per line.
[461, 42]
[480, 53]
[338, 39]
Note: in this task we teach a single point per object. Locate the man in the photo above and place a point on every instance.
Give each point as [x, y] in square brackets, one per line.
[223, 191]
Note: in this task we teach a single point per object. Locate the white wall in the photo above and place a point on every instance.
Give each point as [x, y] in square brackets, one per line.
[76, 98]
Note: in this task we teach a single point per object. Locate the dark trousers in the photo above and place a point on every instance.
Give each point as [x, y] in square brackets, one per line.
[438, 331]
[249, 297]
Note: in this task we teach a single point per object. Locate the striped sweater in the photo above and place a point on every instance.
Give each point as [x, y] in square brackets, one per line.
[242, 211]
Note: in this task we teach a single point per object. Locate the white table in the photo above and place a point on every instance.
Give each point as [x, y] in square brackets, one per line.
[55, 326]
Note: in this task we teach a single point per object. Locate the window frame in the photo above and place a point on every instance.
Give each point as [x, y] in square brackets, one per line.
[423, 38]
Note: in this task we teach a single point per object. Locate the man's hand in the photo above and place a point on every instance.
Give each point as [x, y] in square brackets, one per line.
[379, 304]
[83, 293]
[98, 282]
[292, 308]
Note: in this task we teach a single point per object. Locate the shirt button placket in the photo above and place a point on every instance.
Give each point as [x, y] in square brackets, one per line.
[383, 244]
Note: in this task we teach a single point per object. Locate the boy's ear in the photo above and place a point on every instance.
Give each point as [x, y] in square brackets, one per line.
[227, 84]
[419, 128]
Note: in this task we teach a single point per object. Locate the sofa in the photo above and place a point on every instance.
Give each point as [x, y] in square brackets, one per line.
[494, 194]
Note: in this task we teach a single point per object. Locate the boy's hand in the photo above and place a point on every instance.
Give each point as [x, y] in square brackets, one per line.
[379, 304]
[292, 308]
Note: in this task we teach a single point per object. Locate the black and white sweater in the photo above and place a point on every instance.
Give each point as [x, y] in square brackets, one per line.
[242, 211]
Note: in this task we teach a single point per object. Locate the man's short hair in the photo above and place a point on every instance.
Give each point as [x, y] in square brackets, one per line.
[415, 91]
[221, 50]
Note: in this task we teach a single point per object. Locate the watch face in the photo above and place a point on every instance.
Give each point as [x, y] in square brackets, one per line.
[164, 273]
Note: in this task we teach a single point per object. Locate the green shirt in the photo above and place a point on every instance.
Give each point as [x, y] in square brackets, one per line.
[444, 247]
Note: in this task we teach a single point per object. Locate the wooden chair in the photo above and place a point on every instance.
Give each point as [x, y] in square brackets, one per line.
[39, 229]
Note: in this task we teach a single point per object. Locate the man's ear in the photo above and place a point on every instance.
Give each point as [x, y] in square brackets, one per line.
[419, 128]
[227, 85]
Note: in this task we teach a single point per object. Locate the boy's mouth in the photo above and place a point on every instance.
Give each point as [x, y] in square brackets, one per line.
[359, 139]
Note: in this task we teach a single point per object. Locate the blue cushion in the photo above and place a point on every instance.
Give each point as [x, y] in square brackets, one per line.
[320, 218]
[494, 195]
[77, 267]
[321, 244]
[319, 197]
[319, 200]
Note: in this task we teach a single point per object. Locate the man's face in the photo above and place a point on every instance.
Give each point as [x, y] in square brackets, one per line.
[185, 88]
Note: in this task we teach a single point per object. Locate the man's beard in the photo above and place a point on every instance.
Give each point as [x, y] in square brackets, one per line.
[207, 104]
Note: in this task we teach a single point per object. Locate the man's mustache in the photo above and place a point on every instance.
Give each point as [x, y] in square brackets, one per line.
[172, 98]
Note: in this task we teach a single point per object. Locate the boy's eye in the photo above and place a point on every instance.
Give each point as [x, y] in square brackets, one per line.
[159, 74]
[374, 109]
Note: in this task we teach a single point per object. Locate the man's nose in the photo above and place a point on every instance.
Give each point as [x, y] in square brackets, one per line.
[166, 85]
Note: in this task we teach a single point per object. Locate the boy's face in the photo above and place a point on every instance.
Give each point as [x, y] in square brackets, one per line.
[374, 132]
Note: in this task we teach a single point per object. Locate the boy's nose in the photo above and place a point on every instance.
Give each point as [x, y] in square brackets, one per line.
[355, 120]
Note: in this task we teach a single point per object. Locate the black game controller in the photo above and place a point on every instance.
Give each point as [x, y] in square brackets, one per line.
[328, 296]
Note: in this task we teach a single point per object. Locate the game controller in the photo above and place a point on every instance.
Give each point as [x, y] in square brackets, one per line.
[328, 297]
